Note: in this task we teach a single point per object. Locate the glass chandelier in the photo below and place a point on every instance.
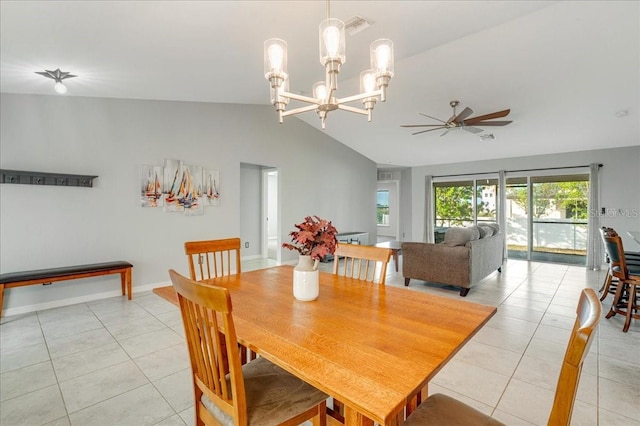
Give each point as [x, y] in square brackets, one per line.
[373, 82]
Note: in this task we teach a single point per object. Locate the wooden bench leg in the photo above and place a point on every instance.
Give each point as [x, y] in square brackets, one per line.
[125, 277]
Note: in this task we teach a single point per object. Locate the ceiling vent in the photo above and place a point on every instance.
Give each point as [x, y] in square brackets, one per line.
[356, 24]
[385, 175]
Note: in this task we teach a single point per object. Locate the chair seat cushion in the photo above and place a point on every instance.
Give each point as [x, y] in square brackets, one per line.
[632, 268]
[273, 395]
[442, 410]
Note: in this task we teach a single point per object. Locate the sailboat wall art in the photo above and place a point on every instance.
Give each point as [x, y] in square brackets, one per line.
[180, 188]
[151, 186]
[211, 196]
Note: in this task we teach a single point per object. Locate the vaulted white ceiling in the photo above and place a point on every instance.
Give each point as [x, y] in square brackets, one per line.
[565, 68]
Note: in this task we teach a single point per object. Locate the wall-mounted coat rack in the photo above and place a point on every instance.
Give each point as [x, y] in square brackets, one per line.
[42, 178]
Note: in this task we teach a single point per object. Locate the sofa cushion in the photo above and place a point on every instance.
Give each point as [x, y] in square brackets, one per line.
[460, 236]
[485, 231]
[494, 226]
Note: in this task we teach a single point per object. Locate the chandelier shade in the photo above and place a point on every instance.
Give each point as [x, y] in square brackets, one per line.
[332, 48]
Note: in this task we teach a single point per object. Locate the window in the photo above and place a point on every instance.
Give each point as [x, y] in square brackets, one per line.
[383, 207]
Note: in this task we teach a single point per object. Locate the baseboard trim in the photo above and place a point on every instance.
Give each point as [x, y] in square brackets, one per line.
[80, 299]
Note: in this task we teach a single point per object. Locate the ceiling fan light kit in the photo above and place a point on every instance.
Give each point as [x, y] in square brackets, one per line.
[57, 76]
[460, 121]
[373, 82]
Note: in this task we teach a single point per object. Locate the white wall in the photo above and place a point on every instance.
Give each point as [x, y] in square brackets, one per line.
[43, 227]
[619, 182]
[251, 209]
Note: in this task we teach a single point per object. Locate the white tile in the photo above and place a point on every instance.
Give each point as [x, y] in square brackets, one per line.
[559, 321]
[619, 398]
[620, 371]
[22, 357]
[19, 332]
[538, 372]
[91, 388]
[150, 342]
[487, 356]
[164, 362]
[474, 382]
[509, 419]
[71, 325]
[129, 312]
[87, 361]
[513, 325]
[527, 402]
[514, 342]
[35, 408]
[127, 329]
[78, 342]
[142, 406]
[177, 389]
[25, 380]
[609, 418]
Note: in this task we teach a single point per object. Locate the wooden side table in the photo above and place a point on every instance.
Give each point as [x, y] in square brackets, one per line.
[395, 247]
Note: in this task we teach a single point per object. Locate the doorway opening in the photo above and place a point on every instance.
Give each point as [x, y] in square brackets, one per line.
[270, 221]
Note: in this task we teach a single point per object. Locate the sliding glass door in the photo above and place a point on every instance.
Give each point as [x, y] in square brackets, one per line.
[546, 215]
[547, 218]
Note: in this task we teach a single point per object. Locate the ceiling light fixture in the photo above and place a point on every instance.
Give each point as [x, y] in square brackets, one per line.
[58, 76]
[373, 82]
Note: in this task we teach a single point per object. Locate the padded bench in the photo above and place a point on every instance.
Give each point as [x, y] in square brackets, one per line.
[50, 275]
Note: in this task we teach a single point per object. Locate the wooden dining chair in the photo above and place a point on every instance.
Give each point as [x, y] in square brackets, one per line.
[226, 392]
[212, 258]
[358, 261]
[442, 410]
[632, 259]
[628, 276]
[361, 262]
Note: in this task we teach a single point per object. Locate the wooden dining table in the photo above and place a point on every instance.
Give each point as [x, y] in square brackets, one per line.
[373, 347]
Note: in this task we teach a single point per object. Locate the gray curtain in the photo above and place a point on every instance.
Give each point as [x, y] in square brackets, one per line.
[428, 209]
[502, 208]
[594, 246]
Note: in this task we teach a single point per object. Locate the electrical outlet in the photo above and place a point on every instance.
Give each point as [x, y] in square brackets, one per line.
[246, 245]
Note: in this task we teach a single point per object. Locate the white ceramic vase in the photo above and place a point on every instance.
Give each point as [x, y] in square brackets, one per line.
[305, 279]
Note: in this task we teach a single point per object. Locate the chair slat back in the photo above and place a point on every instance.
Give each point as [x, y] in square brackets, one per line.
[589, 312]
[361, 262]
[615, 251]
[213, 347]
[213, 258]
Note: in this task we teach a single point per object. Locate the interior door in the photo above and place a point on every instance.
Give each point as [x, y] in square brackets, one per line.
[388, 211]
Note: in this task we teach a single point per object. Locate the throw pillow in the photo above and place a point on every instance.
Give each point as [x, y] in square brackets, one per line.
[495, 226]
[460, 236]
[487, 230]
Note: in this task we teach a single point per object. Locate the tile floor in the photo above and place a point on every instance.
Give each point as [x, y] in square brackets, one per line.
[119, 362]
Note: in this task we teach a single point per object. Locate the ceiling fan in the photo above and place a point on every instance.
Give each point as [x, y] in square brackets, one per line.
[460, 121]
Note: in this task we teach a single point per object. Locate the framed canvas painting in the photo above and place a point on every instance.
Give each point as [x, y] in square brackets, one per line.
[151, 186]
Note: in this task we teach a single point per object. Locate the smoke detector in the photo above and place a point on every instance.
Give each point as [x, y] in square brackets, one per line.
[356, 24]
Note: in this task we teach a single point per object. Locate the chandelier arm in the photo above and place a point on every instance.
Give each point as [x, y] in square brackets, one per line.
[352, 109]
[360, 96]
[300, 98]
[299, 110]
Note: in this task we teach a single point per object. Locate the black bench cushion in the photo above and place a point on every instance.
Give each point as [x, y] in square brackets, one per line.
[12, 277]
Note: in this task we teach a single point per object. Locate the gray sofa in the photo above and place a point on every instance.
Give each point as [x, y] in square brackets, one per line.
[466, 256]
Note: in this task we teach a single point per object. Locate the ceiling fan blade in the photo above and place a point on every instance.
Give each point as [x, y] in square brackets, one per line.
[491, 116]
[433, 118]
[428, 130]
[464, 114]
[472, 129]
[421, 125]
[490, 123]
